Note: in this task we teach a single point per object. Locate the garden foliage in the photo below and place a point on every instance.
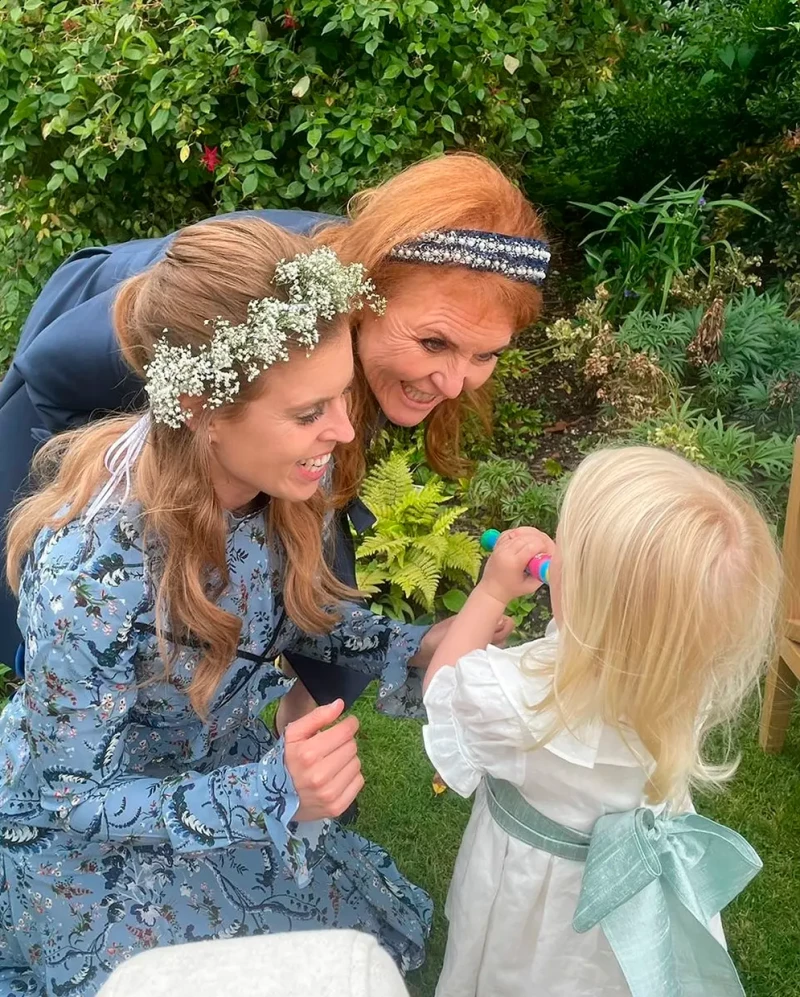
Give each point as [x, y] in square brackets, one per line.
[413, 547]
[128, 118]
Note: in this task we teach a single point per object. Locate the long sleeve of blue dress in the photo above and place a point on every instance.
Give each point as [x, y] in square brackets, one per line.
[374, 644]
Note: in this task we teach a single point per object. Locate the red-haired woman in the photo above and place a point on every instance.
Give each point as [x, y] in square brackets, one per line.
[451, 243]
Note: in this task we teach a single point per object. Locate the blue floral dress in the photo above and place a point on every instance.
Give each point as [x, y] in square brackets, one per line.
[128, 822]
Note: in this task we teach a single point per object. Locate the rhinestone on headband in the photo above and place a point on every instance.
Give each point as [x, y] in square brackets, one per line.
[517, 258]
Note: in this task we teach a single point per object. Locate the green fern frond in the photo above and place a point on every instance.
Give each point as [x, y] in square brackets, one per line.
[370, 576]
[419, 580]
[434, 545]
[463, 554]
[388, 482]
[446, 518]
[433, 491]
[391, 547]
[415, 510]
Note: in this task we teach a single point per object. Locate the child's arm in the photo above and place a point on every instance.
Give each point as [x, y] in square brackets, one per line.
[503, 579]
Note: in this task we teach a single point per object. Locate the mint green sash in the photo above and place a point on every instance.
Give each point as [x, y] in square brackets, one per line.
[653, 884]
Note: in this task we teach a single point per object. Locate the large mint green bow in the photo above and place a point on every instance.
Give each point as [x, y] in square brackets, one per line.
[653, 884]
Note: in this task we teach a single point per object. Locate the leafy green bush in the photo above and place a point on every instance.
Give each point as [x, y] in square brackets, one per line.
[767, 175]
[692, 80]
[748, 367]
[516, 425]
[412, 548]
[502, 495]
[127, 118]
[737, 452]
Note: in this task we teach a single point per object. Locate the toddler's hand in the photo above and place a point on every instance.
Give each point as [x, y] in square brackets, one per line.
[504, 577]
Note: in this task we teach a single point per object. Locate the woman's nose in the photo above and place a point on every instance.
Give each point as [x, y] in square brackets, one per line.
[339, 428]
[450, 380]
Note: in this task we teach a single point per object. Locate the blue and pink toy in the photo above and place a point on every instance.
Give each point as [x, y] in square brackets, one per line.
[538, 566]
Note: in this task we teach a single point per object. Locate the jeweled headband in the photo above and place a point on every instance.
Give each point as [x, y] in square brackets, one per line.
[515, 257]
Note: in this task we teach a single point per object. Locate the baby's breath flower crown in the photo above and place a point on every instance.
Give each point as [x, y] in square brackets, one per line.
[319, 286]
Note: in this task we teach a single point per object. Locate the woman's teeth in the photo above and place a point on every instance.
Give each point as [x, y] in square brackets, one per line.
[418, 396]
[315, 463]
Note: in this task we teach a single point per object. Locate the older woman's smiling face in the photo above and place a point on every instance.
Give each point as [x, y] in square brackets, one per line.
[438, 338]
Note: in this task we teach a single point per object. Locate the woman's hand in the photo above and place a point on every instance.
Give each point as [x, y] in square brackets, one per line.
[324, 764]
[504, 577]
[434, 637]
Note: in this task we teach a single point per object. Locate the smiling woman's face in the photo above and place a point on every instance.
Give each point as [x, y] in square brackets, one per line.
[437, 338]
[280, 443]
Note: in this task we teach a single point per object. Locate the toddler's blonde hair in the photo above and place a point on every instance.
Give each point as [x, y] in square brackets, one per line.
[670, 586]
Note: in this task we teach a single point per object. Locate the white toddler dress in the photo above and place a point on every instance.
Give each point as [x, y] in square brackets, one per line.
[510, 906]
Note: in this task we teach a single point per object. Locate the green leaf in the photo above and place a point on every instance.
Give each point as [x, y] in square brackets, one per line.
[447, 123]
[538, 65]
[71, 173]
[27, 56]
[295, 189]
[260, 30]
[249, 184]
[160, 119]
[158, 78]
[223, 15]
[511, 63]
[454, 600]
[314, 135]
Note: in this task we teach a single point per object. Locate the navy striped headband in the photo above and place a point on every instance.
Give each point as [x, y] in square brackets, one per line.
[517, 258]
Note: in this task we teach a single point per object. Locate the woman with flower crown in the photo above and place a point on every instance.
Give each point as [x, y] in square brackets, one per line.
[165, 562]
[452, 245]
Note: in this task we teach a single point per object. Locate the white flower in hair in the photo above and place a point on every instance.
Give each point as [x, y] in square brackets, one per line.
[319, 286]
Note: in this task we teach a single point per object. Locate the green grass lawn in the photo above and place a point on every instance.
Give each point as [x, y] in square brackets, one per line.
[422, 831]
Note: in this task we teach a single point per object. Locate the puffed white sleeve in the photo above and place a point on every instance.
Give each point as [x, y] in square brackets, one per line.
[476, 720]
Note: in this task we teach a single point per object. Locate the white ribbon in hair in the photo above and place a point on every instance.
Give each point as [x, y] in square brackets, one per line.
[120, 459]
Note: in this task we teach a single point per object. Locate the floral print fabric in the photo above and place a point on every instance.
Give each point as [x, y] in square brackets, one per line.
[126, 821]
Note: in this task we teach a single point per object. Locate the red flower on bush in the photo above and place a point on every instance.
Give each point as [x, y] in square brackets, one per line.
[210, 158]
[290, 22]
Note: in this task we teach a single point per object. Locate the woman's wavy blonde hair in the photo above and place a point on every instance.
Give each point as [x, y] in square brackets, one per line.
[670, 589]
[211, 269]
[461, 190]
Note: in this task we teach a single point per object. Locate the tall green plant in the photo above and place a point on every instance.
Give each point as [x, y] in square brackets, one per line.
[645, 243]
[412, 548]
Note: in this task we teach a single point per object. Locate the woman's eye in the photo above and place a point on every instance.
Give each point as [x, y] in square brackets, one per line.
[433, 345]
[311, 417]
[488, 357]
